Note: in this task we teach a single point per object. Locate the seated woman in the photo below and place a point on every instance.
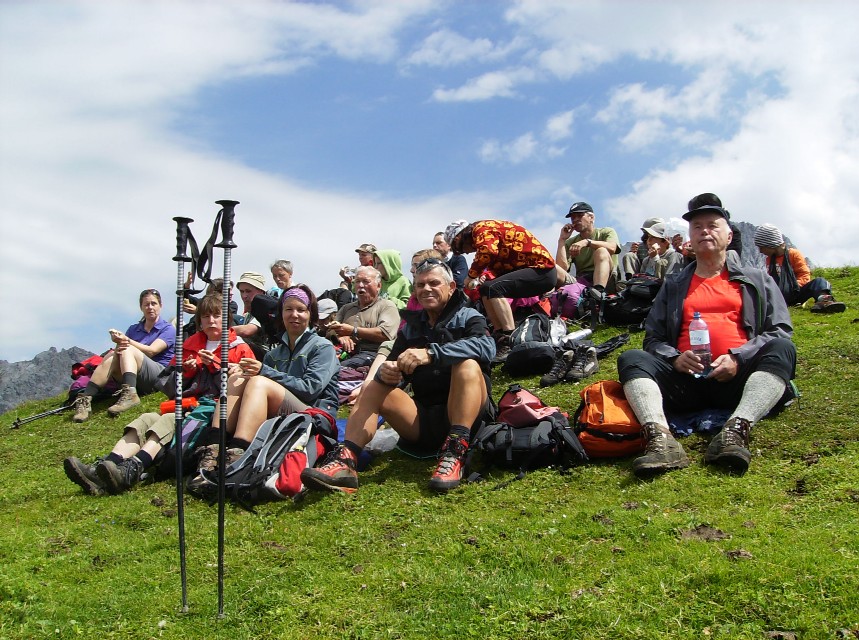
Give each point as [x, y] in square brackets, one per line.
[300, 372]
[139, 356]
[147, 435]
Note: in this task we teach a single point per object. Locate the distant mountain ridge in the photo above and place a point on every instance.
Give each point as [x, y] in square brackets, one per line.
[46, 375]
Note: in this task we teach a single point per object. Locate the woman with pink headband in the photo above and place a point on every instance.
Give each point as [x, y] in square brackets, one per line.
[301, 371]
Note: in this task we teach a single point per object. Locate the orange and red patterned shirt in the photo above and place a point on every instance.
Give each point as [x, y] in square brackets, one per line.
[502, 247]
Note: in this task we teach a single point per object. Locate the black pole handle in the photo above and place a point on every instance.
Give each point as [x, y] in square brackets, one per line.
[228, 221]
[182, 232]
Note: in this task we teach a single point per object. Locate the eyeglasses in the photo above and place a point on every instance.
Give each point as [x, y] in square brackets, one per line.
[150, 292]
[432, 263]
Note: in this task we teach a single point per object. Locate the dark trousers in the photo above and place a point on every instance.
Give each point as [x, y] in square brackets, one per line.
[811, 290]
[521, 283]
[683, 392]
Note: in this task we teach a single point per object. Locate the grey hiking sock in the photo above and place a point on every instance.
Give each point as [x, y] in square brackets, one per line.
[645, 398]
[760, 394]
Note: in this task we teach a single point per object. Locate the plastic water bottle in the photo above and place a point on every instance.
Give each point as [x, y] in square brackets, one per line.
[699, 342]
[570, 340]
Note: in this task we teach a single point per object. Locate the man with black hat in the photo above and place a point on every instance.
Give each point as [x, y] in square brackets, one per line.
[591, 249]
[752, 357]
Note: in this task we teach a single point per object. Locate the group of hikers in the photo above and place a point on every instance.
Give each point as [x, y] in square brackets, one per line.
[419, 354]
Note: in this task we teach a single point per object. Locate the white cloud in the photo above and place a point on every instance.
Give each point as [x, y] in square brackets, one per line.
[485, 87]
[446, 48]
[559, 126]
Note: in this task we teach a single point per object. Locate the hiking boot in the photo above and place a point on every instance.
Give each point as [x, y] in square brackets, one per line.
[127, 398]
[730, 447]
[337, 472]
[828, 304]
[233, 454]
[663, 453]
[584, 364]
[207, 464]
[83, 408]
[85, 476]
[559, 368]
[119, 477]
[451, 461]
[502, 348]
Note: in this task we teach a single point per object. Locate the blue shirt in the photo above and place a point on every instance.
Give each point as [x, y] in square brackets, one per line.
[161, 329]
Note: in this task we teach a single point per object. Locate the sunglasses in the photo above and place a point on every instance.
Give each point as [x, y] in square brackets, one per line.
[431, 263]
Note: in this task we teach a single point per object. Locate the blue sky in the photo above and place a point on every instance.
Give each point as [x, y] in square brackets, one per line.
[381, 121]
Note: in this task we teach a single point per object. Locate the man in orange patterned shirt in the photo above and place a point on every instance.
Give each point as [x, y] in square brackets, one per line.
[522, 266]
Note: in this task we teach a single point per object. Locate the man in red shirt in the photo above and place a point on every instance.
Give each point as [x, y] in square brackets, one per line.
[752, 357]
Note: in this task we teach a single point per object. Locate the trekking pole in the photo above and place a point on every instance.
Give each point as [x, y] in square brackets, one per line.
[22, 421]
[182, 233]
[227, 216]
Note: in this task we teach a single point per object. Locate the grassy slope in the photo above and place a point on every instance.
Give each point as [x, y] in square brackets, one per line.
[593, 553]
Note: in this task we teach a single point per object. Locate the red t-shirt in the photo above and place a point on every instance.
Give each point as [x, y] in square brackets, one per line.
[720, 304]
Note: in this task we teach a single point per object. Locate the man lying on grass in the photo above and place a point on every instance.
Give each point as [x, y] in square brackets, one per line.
[753, 358]
[445, 353]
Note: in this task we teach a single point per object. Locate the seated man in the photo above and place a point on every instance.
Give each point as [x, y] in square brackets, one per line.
[458, 264]
[793, 276]
[753, 358]
[592, 250]
[444, 352]
[361, 326]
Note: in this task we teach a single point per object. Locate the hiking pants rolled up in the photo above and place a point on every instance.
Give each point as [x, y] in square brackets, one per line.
[685, 393]
[811, 291]
[521, 283]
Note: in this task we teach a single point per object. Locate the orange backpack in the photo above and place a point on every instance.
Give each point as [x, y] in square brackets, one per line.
[605, 423]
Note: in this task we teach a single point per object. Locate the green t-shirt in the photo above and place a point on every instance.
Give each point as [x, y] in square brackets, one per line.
[585, 260]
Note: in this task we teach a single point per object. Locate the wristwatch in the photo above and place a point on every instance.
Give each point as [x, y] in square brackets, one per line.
[589, 243]
[355, 332]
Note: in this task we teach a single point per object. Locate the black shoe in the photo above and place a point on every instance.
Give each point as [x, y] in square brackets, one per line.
[559, 369]
[85, 476]
[119, 477]
[730, 447]
[584, 364]
[828, 304]
[502, 348]
[663, 453]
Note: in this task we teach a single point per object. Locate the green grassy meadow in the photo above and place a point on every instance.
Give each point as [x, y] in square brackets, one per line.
[590, 553]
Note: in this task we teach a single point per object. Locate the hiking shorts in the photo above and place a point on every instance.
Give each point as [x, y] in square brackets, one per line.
[153, 423]
[434, 428]
[147, 375]
[290, 404]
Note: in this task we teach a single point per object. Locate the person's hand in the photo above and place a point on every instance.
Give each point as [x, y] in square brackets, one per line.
[566, 232]
[190, 365]
[187, 307]
[233, 369]
[576, 247]
[653, 251]
[724, 368]
[347, 343]
[250, 367]
[633, 248]
[677, 241]
[390, 373]
[687, 362]
[411, 359]
[340, 328]
[207, 357]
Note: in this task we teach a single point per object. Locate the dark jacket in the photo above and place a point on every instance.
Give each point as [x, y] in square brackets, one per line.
[764, 316]
[460, 334]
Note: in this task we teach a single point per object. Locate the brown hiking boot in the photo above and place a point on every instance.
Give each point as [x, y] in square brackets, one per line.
[207, 464]
[663, 453]
[827, 304]
[730, 447]
[83, 408]
[127, 398]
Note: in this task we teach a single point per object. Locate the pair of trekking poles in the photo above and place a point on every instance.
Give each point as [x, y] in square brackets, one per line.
[201, 264]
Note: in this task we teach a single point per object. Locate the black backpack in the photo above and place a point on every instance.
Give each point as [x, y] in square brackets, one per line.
[534, 328]
[530, 443]
[529, 359]
[631, 306]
